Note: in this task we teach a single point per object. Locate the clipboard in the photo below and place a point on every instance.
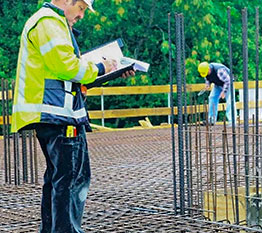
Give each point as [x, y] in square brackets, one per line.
[112, 50]
[109, 76]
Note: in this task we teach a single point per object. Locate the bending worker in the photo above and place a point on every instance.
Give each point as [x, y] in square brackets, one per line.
[48, 99]
[218, 74]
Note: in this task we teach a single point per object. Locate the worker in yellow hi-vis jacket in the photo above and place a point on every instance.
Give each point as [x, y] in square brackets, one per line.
[48, 99]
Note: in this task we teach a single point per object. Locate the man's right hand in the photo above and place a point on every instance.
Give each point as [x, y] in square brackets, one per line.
[207, 86]
[110, 65]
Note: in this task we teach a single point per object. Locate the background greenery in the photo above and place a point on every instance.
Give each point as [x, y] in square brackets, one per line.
[143, 27]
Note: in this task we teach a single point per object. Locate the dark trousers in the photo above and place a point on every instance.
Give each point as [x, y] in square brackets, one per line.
[66, 179]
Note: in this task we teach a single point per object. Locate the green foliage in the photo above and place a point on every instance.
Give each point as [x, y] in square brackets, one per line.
[207, 34]
[12, 22]
[144, 28]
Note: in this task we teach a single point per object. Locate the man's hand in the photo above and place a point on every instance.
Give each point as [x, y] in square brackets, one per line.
[110, 65]
[128, 74]
[222, 95]
[207, 86]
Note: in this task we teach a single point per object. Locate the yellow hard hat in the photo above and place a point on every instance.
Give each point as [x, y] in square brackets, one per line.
[203, 69]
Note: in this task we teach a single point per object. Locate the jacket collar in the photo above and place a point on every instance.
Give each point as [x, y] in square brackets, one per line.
[61, 13]
[54, 8]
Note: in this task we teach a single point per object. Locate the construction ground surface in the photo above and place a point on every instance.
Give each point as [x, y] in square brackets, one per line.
[131, 188]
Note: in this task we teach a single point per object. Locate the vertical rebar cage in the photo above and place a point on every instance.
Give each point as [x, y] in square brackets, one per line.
[219, 171]
[20, 153]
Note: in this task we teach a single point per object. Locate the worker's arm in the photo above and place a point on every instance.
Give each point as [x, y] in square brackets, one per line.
[51, 38]
[224, 77]
[207, 84]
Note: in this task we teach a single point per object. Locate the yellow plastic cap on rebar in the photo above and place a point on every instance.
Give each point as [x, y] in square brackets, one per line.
[203, 69]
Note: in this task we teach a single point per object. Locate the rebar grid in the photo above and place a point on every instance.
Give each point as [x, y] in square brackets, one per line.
[103, 217]
[132, 186]
[213, 191]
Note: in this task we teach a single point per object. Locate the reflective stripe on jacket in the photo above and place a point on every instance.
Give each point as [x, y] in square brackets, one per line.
[49, 74]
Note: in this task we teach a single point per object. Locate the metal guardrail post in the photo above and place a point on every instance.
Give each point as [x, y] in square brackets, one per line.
[102, 108]
[169, 106]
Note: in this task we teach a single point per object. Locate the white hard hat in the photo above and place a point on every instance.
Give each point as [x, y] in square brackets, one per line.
[89, 3]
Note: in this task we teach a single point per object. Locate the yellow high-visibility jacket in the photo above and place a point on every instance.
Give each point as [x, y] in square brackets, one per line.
[49, 74]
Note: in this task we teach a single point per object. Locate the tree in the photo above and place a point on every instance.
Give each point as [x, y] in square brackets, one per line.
[207, 36]
[12, 22]
[143, 27]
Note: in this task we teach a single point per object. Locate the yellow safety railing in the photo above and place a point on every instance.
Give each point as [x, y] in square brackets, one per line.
[157, 111]
[143, 112]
